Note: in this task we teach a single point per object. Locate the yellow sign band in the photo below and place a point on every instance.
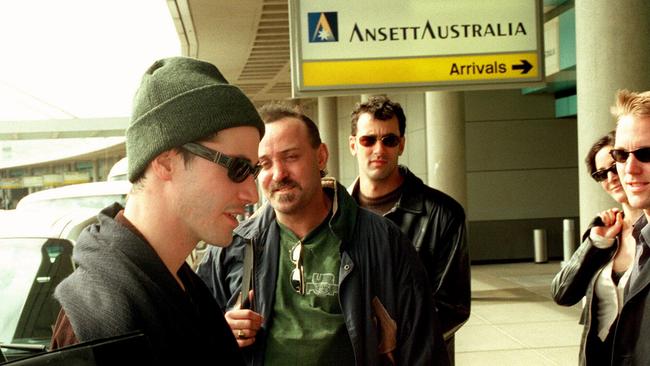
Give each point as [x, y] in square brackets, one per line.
[420, 70]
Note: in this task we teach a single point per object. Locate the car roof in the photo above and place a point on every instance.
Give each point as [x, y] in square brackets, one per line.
[119, 170]
[78, 190]
[46, 223]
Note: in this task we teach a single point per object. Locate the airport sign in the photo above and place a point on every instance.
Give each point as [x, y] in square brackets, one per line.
[351, 47]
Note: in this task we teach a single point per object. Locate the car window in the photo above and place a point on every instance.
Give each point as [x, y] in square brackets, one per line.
[30, 270]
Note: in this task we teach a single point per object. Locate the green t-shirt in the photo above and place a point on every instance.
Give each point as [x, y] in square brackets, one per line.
[309, 329]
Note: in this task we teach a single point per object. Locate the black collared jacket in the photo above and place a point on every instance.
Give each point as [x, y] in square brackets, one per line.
[577, 280]
[435, 224]
[631, 330]
[379, 271]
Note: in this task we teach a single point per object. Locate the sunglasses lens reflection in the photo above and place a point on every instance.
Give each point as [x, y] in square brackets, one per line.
[295, 253]
[237, 171]
[296, 280]
[601, 176]
[390, 140]
[367, 141]
[619, 155]
[240, 169]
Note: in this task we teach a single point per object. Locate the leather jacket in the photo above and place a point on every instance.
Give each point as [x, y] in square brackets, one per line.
[435, 224]
[632, 328]
[377, 262]
[577, 280]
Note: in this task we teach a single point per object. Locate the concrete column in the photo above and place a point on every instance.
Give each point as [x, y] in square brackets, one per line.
[445, 126]
[612, 53]
[95, 176]
[329, 132]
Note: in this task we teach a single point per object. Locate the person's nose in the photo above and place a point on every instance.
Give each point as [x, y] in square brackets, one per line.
[378, 147]
[279, 171]
[633, 165]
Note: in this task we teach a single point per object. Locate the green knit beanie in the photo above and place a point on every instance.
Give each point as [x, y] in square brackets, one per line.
[181, 100]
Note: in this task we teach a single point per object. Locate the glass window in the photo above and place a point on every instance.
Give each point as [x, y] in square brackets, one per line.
[30, 269]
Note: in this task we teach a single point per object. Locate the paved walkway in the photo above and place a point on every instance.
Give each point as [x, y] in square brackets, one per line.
[515, 322]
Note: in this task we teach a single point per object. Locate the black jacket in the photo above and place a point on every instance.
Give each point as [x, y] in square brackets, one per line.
[632, 329]
[577, 280]
[377, 262]
[435, 224]
[121, 285]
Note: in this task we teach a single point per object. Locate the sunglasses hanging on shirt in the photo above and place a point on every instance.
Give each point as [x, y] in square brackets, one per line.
[297, 275]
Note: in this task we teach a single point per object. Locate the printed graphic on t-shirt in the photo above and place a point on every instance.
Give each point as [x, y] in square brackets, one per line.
[322, 284]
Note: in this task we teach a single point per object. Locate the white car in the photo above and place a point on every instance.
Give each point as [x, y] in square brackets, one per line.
[35, 255]
[119, 171]
[84, 195]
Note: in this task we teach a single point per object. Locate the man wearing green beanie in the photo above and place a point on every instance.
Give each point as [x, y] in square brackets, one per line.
[192, 151]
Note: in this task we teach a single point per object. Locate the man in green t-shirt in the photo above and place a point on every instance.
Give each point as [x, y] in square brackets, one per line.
[333, 284]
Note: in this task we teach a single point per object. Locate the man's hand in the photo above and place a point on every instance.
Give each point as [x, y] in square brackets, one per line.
[244, 324]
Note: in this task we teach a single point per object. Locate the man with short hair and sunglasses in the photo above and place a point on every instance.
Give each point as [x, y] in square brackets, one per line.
[632, 155]
[333, 284]
[434, 222]
[192, 151]
[600, 268]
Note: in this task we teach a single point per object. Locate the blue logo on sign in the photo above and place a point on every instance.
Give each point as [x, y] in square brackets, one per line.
[323, 27]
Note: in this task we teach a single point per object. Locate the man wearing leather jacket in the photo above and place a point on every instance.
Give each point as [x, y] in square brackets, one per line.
[632, 155]
[433, 221]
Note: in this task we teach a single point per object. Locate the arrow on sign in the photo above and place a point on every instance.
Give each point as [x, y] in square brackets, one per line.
[524, 66]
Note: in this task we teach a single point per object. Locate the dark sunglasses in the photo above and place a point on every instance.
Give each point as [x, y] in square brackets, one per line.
[621, 155]
[297, 275]
[390, 140]
[601, 174]
[238, 168]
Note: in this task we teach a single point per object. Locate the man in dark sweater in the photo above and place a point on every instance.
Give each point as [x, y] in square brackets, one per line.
[433, 221]
[192, 152]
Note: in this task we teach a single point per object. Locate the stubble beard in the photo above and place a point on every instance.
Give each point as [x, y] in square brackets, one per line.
[285, 197]
[284, 202]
